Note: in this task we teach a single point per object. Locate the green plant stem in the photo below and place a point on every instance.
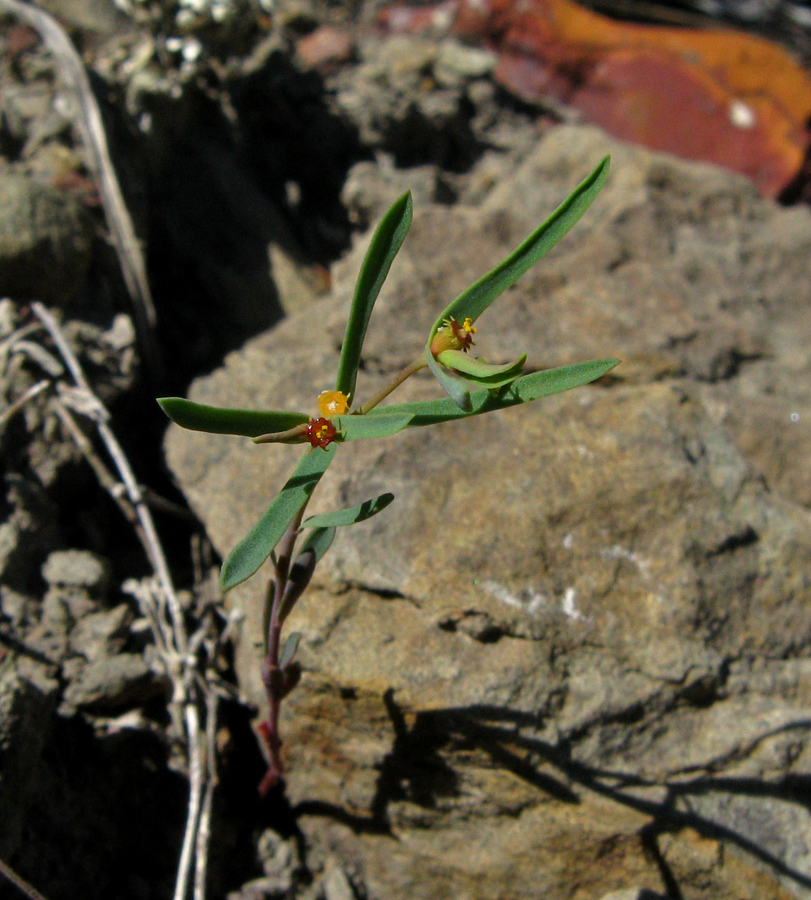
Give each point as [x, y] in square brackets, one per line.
[293, 435]
[272, 675]
[399, 378]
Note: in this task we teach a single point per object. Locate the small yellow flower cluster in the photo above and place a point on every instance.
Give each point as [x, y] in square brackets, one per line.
[453, 336]
[332, 403]
[321, 432]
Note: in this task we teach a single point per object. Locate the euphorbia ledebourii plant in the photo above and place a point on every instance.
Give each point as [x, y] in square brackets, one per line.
[295, 544]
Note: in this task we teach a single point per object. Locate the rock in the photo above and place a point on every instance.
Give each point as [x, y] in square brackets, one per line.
[112, 683]
[56, 617]
[259, 889]
[633, 894]
[583, 620]
[26, 703]
[390, 98]
[455, 63]
[95, 16]
[77, 568]
[326, 49]
[24, 105]
[335, 884]
[28, 531]
[102, 633]
[45, 241]
[78, 580]
[370, 186]
[18, 609]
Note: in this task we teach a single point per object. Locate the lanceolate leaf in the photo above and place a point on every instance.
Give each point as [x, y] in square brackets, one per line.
[454, 387]
[297, 580]
[387, 240]
[522, 390]
[290, 647]
[220, 420]
[350, 516]
[319, 540]
[480, 372]
[475, 300]
[353, 428]
[256, 546]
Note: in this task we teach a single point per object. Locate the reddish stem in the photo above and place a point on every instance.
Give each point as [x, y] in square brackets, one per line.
[272, 676]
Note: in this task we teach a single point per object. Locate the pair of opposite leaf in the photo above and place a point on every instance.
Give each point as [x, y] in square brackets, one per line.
[446, 354]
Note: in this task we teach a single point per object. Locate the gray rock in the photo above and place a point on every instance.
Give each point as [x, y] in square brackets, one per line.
[101, 634]
[335, 884]
[17, 608]
[386, 100]
[112, 683]
[28, 698]
[259, 889]
[23, 104]
[45, 240]
[56, 617]
[546, 645]
[77, 568]
[95, 16]
[28, 532]
[633, 894]
[455, 63]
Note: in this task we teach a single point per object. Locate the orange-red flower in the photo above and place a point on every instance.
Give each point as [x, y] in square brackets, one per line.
[320, 432]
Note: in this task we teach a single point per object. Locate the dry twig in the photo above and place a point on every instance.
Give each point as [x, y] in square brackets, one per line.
[12, 409]
[159, 602]
[91, 128]
[20, 883]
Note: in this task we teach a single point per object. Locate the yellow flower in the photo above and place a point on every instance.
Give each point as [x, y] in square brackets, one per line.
[332, 403]
[453, 336]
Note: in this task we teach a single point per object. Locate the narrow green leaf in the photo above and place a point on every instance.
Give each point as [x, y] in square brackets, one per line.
[319, 540]
[475, 300]
[522, 390]
[453, 386]
[354, 428]
[220, 420]
[301, 572]
[257, 545]
[478, 371]
[387, 240]
[350, 516]
[290, 647]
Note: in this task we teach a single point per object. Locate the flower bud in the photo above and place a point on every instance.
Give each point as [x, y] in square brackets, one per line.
[453, 336]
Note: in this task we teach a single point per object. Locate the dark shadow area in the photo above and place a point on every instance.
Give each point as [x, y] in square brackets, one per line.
[414, 770]
[799, 189]
[497, 732]
[239, 814]
[100, 817]
[222, 189]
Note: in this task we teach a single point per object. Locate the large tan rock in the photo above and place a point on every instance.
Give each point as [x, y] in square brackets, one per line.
[568, 661]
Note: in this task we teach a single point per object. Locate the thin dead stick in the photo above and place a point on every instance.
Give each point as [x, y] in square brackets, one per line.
[91, 127]
[204, 829]
[179, 662]
[196, 777]
[7, 344]
[10, 411]
[121, 462]
[20, 883]
[161, 633]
